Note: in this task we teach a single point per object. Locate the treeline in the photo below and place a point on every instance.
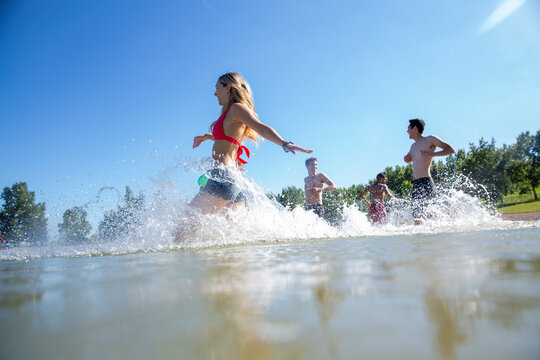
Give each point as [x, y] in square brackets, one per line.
[22, 220]
[498, 171]
[509, 169]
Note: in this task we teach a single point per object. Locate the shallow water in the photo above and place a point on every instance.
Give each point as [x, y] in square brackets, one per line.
[447, 295]
[268, 283]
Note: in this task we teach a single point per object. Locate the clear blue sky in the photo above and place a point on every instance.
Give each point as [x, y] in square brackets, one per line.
[111, 93]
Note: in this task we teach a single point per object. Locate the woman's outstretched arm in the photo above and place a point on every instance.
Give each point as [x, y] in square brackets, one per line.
[242, 113]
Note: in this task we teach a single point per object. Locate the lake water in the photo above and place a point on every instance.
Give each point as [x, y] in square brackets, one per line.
[267, 283]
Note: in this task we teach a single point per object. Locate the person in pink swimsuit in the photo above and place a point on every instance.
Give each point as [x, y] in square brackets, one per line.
[377, 210]
[237, 123]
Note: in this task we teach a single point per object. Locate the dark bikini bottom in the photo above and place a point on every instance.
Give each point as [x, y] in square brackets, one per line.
[221, 184]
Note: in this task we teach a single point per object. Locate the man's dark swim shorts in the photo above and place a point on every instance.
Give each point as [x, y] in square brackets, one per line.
[221, 184]
[422, 193]
[316, 208]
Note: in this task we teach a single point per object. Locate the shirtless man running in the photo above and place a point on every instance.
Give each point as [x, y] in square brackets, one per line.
[314, 187]
[421, 155]
[377, 210]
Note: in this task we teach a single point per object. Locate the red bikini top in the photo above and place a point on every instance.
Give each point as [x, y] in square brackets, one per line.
[219, 134]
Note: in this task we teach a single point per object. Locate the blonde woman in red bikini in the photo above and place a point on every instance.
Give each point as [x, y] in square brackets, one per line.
[237, 123]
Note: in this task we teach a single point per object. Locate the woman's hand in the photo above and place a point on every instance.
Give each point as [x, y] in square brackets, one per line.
[290, 147]
[198, 140]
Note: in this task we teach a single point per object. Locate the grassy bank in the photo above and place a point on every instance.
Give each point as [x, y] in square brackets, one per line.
[520, 203]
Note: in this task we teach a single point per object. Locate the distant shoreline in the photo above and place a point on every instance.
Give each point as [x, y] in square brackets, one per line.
[529, 216]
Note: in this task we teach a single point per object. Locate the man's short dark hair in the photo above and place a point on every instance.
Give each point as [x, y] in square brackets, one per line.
[418, 123]
[310, 160]
[380, 176]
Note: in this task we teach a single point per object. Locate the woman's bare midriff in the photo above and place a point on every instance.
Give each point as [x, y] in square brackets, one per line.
[224, 152]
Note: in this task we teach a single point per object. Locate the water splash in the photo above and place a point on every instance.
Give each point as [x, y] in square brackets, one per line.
[461, 206]
[97, 198]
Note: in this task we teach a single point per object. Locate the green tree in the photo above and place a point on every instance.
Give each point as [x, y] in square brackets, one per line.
[291, 197]
[21, 219]
[485, 165]
[399, 180]
[125, 220]
[524, 161]
[75, 228]
[333, 202]
[351, 195]
[535, 170]
[454, 163]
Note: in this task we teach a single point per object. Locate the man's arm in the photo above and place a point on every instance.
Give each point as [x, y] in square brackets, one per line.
[408, 158]
[330, 186]
[387, 191]
[447, 149]
[363, 193]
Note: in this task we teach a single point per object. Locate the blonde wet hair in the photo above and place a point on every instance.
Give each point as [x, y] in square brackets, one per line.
[240, 92]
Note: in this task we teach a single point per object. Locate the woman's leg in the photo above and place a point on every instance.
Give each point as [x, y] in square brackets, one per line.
[208, 204]
[234, 206]
[204, 203]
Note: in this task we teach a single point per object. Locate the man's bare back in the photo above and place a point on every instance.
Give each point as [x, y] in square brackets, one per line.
[377, 191]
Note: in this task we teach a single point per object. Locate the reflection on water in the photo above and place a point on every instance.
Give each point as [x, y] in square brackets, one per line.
[19, 287]
[327, 300]
[447, 296]
[444, 315]
[500, 298]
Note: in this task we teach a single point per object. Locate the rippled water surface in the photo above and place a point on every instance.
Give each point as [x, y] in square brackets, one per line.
[461, 295]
